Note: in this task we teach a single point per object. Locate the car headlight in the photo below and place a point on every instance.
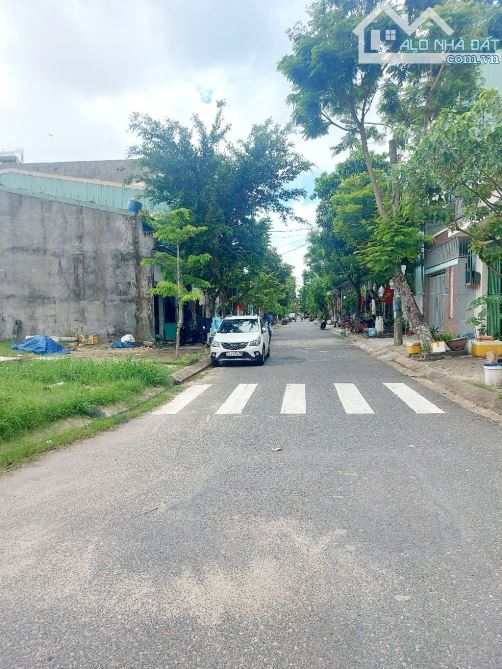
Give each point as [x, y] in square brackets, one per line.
[255, 342]
[216, 344]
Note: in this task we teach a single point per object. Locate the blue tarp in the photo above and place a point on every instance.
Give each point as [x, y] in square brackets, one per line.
[122, 344]
[40, 345]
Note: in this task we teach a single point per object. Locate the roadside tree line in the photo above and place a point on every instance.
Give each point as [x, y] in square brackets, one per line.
[444, 140]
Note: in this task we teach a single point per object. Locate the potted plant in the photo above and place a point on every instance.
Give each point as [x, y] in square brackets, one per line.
[458, 343]
[437, 344]
[479, 321]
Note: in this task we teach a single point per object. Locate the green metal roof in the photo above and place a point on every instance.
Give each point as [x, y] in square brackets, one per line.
[104, 195]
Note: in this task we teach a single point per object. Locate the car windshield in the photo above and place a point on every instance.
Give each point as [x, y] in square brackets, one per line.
[239, 326]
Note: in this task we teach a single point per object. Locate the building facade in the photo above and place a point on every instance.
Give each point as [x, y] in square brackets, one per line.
[71, 251]
[448, 281]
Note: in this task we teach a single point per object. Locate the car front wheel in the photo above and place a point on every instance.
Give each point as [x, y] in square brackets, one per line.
[260, 360]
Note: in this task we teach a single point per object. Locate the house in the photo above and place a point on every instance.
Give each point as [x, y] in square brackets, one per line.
[449, 279]
[71, 248]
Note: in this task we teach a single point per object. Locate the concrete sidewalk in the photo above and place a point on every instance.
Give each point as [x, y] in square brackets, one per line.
[461, 375]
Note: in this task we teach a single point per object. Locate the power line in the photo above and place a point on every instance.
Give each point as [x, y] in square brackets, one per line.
[291, 250]
[292, 230]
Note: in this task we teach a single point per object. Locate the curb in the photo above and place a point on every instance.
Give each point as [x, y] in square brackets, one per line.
[178, 377]
[478, 396]
[186, 373]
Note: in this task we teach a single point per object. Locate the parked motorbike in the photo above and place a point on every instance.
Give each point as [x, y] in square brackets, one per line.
[199, 335]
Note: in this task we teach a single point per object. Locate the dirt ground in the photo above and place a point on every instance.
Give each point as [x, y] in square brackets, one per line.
[104, 352]
[465, 367]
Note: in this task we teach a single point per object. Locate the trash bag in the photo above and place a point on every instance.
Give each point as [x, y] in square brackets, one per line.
[128, 338]
[40, 345]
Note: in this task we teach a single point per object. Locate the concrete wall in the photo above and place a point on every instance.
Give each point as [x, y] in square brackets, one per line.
[67, 270]
[107, 170]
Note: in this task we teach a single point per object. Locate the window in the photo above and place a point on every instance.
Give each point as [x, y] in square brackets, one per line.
[472, 278]
[239, 326]
[390, 35]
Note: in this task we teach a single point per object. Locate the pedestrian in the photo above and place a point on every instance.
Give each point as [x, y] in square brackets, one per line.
[267, 319]
[215, 324]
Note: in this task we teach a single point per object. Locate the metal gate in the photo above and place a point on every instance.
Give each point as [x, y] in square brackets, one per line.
[436, 300]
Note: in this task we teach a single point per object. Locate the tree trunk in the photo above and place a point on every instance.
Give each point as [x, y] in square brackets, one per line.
[371, 173]
[398, 310]
[179, 304]
[357, 314]
[416, 319]
[418, 324]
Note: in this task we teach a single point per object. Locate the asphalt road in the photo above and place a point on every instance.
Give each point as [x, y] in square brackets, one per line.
[182, 539]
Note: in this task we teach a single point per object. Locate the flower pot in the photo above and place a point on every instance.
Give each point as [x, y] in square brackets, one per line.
[416, 347]
[493, 374]
[481, 348]
[438, 347]
[457, 344]
[483, 338]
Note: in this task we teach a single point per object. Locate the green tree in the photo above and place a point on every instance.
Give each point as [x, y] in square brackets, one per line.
[331, 89]
[266, 292]
[181, 279]
[457, 158]
[314, 294]
[413, 95]
[346, 216]
[229, 189]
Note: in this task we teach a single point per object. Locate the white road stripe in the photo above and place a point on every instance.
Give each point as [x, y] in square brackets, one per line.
[413, 399]
[182, 400]
[352, 400]
[293, 401]
[238, 399]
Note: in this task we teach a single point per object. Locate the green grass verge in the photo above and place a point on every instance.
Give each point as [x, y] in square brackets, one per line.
[28, 446]
[40, 398]
[34, 393]
[5, 349]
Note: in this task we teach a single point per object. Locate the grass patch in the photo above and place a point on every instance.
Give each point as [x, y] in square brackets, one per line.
[5, 349]
[14, 452]
[483, 386]
[37, 392]
[50, 402]
[46, 402]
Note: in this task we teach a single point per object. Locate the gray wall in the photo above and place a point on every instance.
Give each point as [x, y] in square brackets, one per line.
[107, 170]
[67, 270]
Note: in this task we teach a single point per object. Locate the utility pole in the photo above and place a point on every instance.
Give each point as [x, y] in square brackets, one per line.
[398, 311]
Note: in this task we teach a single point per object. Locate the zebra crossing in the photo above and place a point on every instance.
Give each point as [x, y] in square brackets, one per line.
[294, 399]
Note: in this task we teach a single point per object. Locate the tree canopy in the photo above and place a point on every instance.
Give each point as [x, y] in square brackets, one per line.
[331, 89]
[229, 188]
[457, 158]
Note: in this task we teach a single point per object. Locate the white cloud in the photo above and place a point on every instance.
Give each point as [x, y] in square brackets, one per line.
[72, 72]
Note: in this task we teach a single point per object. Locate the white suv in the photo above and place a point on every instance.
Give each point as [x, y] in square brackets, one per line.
[241, 338]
